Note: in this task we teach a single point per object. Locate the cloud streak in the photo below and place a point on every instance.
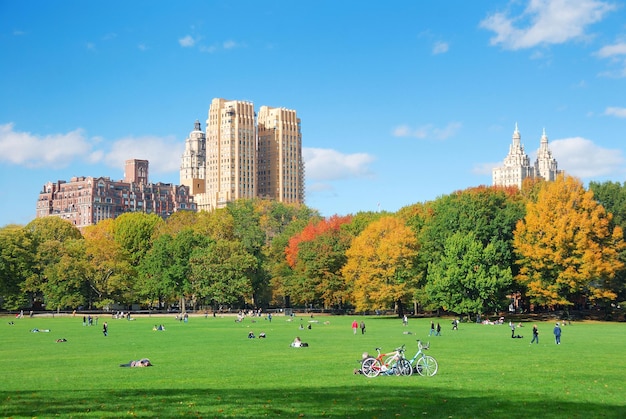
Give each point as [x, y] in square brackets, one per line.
[34, 151]
[60, 150]
[545, 22]
[427, 131]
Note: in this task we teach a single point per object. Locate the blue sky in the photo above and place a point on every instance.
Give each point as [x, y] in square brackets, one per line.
[400, 102]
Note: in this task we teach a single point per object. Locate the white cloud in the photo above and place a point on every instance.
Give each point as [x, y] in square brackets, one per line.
[61, 150]
[230, 44]
[584, 159]
[163, 153]
[616, 54]
[545, 22]
[187, 41]
[440, 47]
[328, 164]
[618, 112]
[428, 131]
[55, 150]
[612, 50]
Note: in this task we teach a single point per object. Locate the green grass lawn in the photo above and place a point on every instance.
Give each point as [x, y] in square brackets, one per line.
[208, 368]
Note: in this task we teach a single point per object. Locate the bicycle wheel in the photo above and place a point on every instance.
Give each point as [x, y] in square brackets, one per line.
[403, 367]
[370, 367]
[427, 366]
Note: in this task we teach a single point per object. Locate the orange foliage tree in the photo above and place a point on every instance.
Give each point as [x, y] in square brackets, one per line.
[379, 267]
[316, 256]
[567, 250]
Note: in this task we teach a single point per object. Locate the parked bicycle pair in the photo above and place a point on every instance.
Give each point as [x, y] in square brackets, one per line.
[395, 363]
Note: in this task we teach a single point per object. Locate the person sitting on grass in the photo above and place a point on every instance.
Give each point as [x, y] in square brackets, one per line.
[144, 362]
[251, 335]
[297, 343]
[363, 358]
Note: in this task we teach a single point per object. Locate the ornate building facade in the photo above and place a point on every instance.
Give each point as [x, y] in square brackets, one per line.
[240, 157]
[517, 165]
[87, 200]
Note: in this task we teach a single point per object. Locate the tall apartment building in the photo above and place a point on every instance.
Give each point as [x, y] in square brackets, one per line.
[281, 171]
[517, 165]
[87, 200]
[244, 158]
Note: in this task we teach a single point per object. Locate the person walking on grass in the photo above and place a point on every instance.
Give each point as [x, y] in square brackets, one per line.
[355, 325]
[535, 335]
[432, 328]
[362, 327]
[105, 329]
[557, 334]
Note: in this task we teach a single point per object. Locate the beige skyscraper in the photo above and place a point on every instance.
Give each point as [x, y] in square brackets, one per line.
[193, 162]
[280, 165]
[231, 153]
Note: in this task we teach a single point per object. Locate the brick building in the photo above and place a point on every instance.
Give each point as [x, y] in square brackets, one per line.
[86, 200]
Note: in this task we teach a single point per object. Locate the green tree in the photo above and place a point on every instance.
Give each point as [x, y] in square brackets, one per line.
[64, 269]
[55, 242]
[134, 232]
[17, 263]
[468, 278]
[223, 273]
[166, 268]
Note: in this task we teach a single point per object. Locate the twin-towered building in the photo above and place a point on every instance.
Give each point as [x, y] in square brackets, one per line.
[517, 165]
[244, 155]
[241, 155]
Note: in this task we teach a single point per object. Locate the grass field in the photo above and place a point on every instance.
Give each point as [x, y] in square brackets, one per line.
[208, 368]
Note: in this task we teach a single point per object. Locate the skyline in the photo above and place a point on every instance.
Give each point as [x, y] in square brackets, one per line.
[398, 105]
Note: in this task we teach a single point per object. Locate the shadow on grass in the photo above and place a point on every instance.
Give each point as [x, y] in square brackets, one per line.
[369, 400]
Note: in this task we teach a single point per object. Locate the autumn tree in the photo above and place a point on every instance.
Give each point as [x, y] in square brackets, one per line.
[111, 277]
[567, 250]
[468, 278]
[316, 255]
[612, 196]
[379, 268]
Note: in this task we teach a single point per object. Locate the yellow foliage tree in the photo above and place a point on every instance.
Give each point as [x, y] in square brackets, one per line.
[566, 249]
[379, 264]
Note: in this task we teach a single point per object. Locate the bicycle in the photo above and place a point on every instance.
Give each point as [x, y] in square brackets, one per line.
[425, 365]
[385, 363]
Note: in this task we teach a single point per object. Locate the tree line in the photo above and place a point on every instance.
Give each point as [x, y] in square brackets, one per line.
[549, 245]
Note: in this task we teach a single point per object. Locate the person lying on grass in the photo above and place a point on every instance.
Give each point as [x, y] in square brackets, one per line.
[144, 362]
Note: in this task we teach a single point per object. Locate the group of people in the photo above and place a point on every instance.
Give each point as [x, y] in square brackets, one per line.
[556, 331]
[356, 325]
[435, 330]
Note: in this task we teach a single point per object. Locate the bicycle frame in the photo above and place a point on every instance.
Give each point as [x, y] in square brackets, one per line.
[383, 363]
[424, 364]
